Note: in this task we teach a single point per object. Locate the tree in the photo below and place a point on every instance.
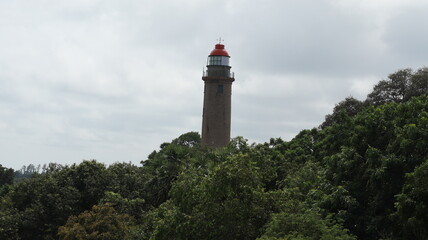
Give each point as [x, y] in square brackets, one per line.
[100, 223]
[418, 83]
[44, 202]
[400, 86]
[190, 139]
[6, 175]
[412, 204]
[127, 180]
[162, 168]
[392, 90]
[226, 203]
[38, 206]
[90, 178]
[365, 171]
[232, 203]
[133, 207]
[369, 154]
[10, 220]
[305, 225]
[349, 107]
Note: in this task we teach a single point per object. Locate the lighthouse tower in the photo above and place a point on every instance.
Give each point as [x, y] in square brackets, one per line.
[217, 98]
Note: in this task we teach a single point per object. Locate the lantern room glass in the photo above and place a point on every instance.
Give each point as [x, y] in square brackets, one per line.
[218, 60]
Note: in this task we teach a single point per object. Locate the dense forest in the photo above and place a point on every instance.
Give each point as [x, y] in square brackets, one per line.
[362, 174]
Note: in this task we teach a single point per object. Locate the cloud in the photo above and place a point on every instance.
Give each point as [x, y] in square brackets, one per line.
[406, 37]
[112, 80]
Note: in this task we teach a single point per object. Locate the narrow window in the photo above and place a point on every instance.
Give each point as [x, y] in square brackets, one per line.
[220, 88]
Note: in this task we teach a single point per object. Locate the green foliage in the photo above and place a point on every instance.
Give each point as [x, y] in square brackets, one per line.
[376, 148]
[226, 203]
[6, 175]
[190, 139]
[346, 108]
[162, 168]
[90, 178]
[392, 90]
[419, 83]
[307, 224]
[41, 204]
[412, 204]
[10, 220]
[232, 201]
[362, 174]
[37, 206]
[134, 207]
[400, 87]
[101, 223]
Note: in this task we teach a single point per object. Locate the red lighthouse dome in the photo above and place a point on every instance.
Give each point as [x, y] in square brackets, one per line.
[219, 51]
[218, 56]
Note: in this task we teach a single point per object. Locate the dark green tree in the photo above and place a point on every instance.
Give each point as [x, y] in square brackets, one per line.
[163, 167]
[227, 203]
[348, 107]
[394, 89]
[412, 204]
[400, 86]
[369, 155]
[38, 206]
[6, 175]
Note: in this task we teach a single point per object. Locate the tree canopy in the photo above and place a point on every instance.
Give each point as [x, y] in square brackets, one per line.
[361, 175]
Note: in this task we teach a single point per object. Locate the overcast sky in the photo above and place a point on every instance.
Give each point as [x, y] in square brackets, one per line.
[112, 80]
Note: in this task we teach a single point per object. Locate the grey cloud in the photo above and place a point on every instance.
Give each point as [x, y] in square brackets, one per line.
[112, 80]
[406, 36]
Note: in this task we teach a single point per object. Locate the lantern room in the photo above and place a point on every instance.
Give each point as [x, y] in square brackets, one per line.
[218, 56]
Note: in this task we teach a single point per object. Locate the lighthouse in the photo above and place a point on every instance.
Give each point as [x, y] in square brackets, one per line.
[216, 114]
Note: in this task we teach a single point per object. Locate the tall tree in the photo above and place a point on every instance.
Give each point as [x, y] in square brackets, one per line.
[394, 89]
[163, 167]
[6, 175]
[348, 107]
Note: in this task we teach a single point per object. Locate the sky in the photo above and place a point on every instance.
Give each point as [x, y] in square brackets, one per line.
[112, 80]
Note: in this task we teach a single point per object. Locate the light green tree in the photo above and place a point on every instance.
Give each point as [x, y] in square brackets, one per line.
[100, 223]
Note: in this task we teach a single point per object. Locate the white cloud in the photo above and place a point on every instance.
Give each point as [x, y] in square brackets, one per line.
[360, 87]
[112, 80]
